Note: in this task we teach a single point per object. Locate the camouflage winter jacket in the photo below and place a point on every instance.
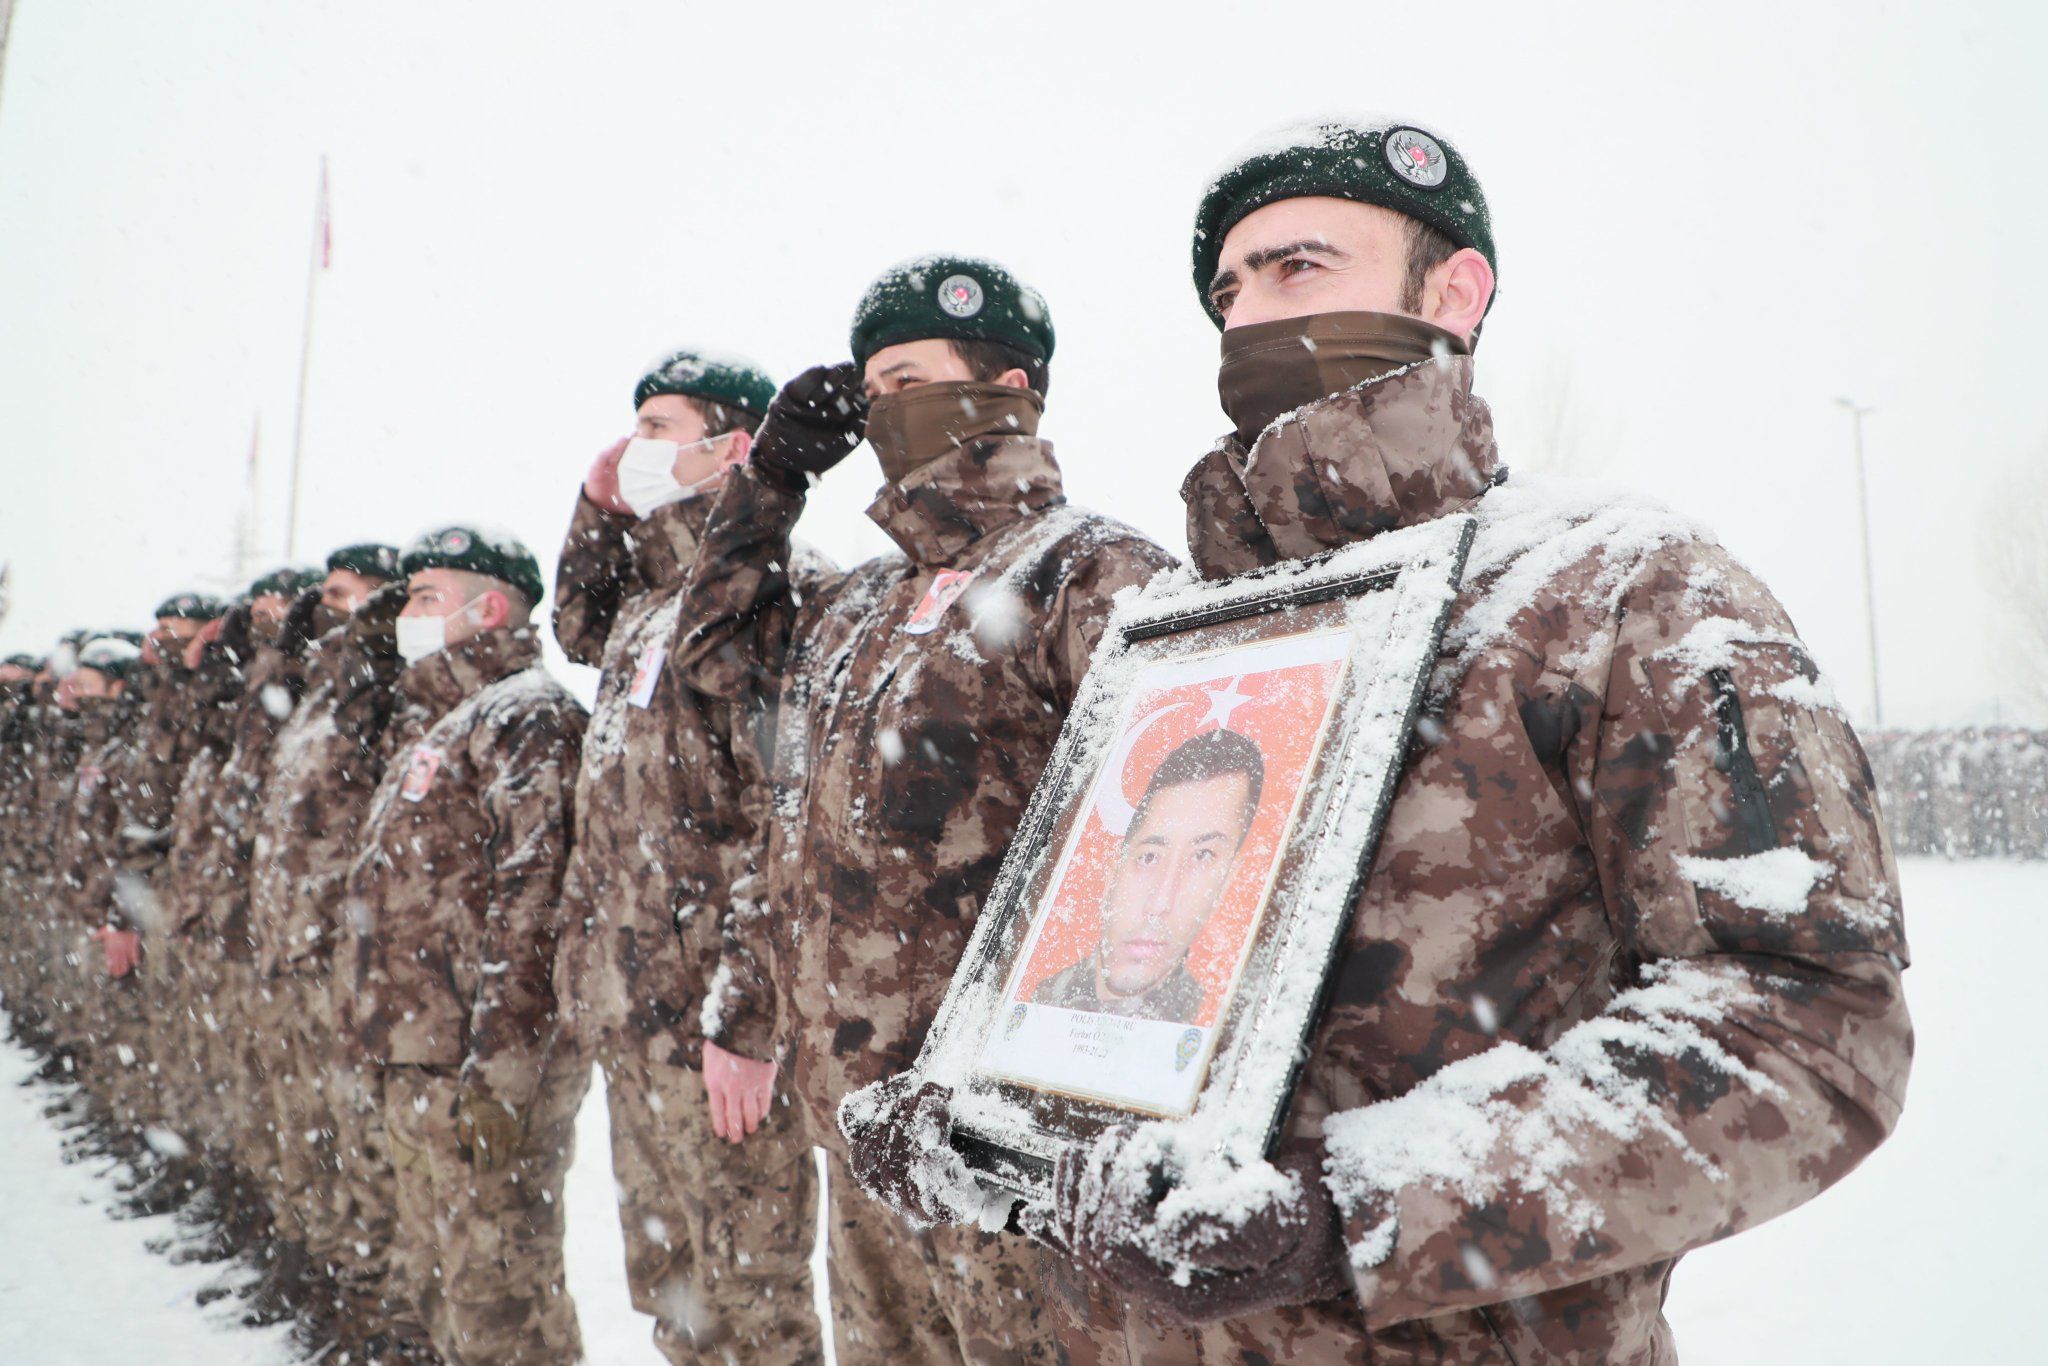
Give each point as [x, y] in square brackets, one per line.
[1625, 976]
[324, 765]
[91, 822]
[920, 697]
[664, 824]
[198, 886]
[54, 740]
[459, 877]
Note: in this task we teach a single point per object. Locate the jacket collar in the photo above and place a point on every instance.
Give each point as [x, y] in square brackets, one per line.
[443, 679]
[942, 508]
[665, 544]
[1393, 452]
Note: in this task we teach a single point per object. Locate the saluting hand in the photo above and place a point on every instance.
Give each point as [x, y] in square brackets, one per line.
[813, 424]
[601, 485]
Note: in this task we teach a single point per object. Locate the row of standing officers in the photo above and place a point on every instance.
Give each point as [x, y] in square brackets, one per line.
[370, 892]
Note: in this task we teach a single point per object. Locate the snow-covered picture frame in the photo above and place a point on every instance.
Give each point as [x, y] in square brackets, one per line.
[1156, 943]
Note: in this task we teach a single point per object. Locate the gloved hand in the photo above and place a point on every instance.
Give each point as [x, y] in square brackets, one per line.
[899, 1135]
[813, 424]
[237, 633]
[305, 621]
[1261, 1236]
[374, 625]
[601, 485]
[487, 1131]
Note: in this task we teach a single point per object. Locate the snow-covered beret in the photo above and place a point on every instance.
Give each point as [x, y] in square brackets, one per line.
[286, 581]
[959, 298]
[370, 559]
[1396, 165]
[725, 380]
[190, 607]
[110, 655]
[495, 555]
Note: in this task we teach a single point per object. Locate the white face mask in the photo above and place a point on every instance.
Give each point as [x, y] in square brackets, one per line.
[419, 637]
[647, 474]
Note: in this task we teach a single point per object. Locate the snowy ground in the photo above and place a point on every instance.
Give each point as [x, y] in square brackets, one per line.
[1930, 1252]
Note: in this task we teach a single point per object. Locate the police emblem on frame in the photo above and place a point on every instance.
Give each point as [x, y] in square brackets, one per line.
[960, 296]
[1417, 158]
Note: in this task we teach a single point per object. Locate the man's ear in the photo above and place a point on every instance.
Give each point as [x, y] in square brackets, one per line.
[492, 609]
[1458, 292]
[1016, 379]
[737, 443]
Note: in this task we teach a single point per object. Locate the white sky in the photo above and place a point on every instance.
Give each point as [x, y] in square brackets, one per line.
[1711, 223]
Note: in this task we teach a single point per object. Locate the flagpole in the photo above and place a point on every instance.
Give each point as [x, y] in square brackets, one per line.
[245, 531]
[314, 265]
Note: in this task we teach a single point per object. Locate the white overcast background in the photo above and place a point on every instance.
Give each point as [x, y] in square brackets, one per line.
[1711, 224]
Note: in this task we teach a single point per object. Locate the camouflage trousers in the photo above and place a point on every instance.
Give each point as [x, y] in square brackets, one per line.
[948, 1294]
[481, 1253]
[1097, 1328]
[718, 1236]
[326, 1160]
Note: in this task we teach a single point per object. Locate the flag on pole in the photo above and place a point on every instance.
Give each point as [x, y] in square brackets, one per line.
[325, 220]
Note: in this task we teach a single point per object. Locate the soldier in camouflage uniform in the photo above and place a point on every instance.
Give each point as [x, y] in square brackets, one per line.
[334, 1183]
[1625, 975]
[920, 696]
[107, 1016]
[51, 738]
[458, 883]
[718, 1236]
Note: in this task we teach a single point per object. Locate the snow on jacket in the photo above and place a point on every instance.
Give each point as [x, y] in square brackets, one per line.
[197, 886]
[459, 879]
[667, 797]
[920, 697]
[91, 821]
[324, 765]
[1624, 978]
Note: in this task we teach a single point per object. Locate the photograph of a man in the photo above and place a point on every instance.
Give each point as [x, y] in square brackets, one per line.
[1171, 871]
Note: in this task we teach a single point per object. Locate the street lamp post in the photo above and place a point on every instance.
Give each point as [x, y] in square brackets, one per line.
[1857, 413]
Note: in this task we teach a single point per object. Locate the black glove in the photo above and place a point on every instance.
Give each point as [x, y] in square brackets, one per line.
[237, 633]
[305, 621]
[374, 625]
[813, 424]
[1266, 1236]
[899, 1143]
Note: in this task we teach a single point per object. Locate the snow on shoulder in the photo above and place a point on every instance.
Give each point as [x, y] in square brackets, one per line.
[1535, 530]
[1777, 882]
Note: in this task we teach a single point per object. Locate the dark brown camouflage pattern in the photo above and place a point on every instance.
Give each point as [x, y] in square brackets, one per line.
[480, 1253]
[717, 1237]
[903, 761]
[325, 763]
[459, 877]
[662, 828]
[1553, 1060]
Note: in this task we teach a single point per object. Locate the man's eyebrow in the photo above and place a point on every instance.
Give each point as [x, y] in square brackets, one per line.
[1258, 258]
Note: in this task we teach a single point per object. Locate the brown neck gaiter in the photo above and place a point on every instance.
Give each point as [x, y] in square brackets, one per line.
[911, 429]
[1273, 368]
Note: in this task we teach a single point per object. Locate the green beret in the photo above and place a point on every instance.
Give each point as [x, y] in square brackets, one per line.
[370, 559]
[191, 607]
[724, 380]
[112, 656]
[495, 555]
[1395, 165]
[960, 298]
[32, 663]
[286, 581]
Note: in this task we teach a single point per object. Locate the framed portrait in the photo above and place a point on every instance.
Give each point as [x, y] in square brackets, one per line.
[1157, 942]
